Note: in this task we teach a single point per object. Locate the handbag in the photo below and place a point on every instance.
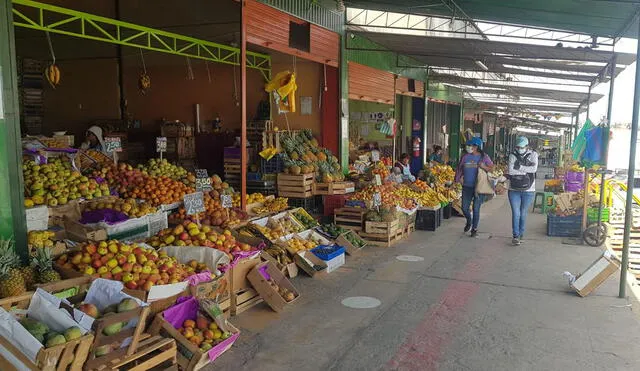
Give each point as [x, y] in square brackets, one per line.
[484, 186]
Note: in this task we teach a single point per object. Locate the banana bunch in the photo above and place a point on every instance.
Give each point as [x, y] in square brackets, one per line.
[443, 173]
[52, 74]
[40, 239]
[279, 254]
[268, 153]
[272, 206]
[427, 198]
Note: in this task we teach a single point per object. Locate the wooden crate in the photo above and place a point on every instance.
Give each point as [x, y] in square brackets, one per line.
[153, 352]
[349, 217]
[350, 248]
[198, 358]
[68, 356]
[336, 188]
[296, 186]
[389, 228]
[240, 301]
[383, 240]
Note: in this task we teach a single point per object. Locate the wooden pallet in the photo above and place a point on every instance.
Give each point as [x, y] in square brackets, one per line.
[335, 188]
[240, 301]
[152, 352]
[389, 228]
[349, 217]
[295, 186]
[383, 240]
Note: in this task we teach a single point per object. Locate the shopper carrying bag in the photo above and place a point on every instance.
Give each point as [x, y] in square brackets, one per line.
[523, 164]
[471, 163]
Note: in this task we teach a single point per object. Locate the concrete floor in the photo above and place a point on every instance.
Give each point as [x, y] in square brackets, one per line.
[472, 304]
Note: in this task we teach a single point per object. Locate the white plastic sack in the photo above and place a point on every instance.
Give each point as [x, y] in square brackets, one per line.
[211, 257]
[13, 331]
[45, 307]
[103, 293]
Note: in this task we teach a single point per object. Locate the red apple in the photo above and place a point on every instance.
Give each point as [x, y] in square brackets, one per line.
[127, 267]
[131, 285]
[96, 264]
[89, 309]
[91, 248]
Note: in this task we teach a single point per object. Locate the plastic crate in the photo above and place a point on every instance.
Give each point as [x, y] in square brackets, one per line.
[592, 215]
[428, 220]
[311, 204]
[273, 166]
[355, 203]
[564, 226]
[446, 211]
[573, 176]
[573, 186]
[327, 253]
[332, 202]
[254, 176]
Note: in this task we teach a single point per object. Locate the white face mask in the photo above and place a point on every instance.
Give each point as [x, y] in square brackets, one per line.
[469, 149]
[521, 151]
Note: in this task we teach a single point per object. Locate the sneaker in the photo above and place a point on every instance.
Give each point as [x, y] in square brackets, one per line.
[515, 241]
[474, 232]
[467, 227]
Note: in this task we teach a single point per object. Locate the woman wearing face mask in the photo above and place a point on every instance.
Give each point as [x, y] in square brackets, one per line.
[523, 164]
[467, 175]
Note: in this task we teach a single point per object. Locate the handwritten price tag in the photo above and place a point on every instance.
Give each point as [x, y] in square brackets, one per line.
[194, 203]
[161, 144]
[203, 182]
[113, 144]
[377, 199]
[375, 156]
[378, 180]
[227, 201]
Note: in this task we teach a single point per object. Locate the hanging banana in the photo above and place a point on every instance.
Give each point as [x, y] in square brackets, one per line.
[52, 74]
[144, 83]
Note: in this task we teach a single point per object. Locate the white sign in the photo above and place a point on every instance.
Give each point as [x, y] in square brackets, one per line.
[378, 180]
[377, 199]
[194, 203]
[375, 156]
[306, 106]
[161, 144]
[113, 144]
[203, 182]
[227, 201]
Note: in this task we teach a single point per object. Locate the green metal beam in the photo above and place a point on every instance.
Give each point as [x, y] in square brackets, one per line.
[50, 18]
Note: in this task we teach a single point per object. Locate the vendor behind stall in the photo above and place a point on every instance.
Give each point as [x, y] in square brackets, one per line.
[94, 140]
[436, 157]
[403, 165]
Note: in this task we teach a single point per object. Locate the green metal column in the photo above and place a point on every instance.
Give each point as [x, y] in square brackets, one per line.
[12, 215]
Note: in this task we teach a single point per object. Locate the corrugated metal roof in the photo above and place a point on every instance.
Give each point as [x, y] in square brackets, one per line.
[607, 18]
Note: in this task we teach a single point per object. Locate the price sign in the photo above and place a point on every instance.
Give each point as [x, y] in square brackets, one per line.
[377, 199]
[113, 144]
[203, 182]
[194, 203]
[378, 180]
[375, 156]
[227, 201]
[161, 144]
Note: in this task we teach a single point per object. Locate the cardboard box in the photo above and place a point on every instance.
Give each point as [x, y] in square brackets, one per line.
[37, 218]
[238, 273]
[81, 233]
[335, 263]
[308, 262]
[290, 270]
[216, 288]
[596, 274]
[259, 277]
[71, 210]
[348, 246]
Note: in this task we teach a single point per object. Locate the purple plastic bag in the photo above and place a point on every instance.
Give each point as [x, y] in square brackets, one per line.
[108, 216]
[177, 314]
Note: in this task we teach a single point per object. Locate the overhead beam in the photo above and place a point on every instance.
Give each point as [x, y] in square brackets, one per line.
[54, 19]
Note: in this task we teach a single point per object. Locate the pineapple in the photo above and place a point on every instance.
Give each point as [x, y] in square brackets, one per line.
[11, 281]
[43, 263]
[29, 276]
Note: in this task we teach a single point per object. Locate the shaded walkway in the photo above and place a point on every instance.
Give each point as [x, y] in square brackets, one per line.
[472, 304]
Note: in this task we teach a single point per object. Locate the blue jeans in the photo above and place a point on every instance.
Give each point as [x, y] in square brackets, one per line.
[520, 202]
[469, 195]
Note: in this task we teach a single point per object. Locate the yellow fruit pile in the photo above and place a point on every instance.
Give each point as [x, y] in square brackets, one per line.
[272, 206]
[443, 173]
[40, 239]
[296, 244]
[130, 207]
[426, 198]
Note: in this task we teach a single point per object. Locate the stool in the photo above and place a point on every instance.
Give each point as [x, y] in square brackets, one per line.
[547, 203]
